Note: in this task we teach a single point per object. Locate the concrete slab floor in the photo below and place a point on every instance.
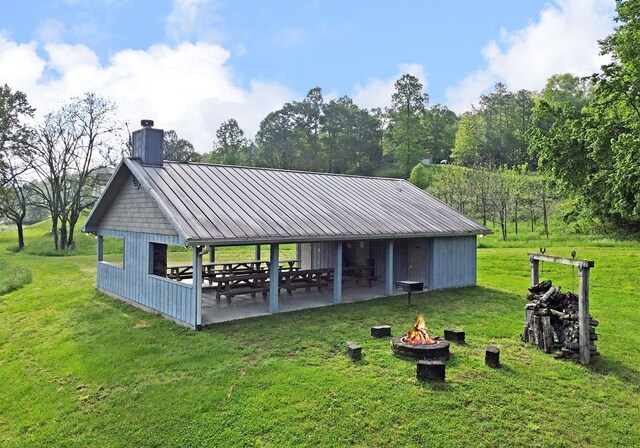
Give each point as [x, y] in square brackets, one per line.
[244, 306]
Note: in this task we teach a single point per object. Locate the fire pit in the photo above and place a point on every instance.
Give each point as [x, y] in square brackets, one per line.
[417, 343]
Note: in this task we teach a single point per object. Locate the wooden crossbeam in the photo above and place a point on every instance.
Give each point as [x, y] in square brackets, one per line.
[561, 260]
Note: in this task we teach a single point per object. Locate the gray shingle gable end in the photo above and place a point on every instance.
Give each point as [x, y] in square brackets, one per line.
[121, 206]
[222, 204]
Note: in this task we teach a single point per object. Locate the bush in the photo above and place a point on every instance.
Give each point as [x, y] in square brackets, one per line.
[419, 176]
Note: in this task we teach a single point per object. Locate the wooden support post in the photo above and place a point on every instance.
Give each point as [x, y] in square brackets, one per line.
[100, 249]
[389, 268]
[197, 284]
[258, 255]
[274, 278]
[535, 273]
[337, 272]
[583, 315]
[212, 254]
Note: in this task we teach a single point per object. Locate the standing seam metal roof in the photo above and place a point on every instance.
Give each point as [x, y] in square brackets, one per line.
[230, 204]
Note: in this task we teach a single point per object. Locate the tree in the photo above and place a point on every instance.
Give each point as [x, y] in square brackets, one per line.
[612, 122]
[178, 149]
[470, 140]
[15, 159]
[557, 139]
[276, 139]
[350, 137]
[231, 147]
[441, 125]
[405, 136]
[72, 143]
[15, 133]
[14, 203]
[308, 117]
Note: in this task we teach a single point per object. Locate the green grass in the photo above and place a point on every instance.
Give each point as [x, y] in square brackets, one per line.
[81, 369]
[13, 277]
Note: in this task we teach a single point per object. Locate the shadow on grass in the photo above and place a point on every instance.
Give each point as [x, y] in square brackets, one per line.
[606, 365]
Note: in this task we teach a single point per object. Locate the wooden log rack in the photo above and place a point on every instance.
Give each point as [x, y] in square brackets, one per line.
[584, 267]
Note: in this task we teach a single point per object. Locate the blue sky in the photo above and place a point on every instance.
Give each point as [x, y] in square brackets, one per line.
[190, 64]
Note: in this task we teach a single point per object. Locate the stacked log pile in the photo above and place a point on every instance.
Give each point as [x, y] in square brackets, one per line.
[551, 322]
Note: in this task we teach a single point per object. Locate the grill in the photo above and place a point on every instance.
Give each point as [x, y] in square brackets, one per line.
[409, 286]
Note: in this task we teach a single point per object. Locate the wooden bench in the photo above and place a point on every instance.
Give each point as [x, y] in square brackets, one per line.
[230, 285]
[304, 278]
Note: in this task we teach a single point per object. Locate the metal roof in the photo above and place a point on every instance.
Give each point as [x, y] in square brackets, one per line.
[224, 204]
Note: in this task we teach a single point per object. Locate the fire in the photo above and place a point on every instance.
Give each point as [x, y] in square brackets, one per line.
[419, 333]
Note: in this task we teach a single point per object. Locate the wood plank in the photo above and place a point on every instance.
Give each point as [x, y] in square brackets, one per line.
[583, 315]
[561, 260]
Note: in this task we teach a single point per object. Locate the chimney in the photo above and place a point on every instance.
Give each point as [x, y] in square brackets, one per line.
[147, 144]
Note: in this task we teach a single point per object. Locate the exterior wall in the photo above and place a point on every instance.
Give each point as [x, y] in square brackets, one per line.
[305, 255]
[322, 255]
[134, 283]
[400, 260]
[453, 262]
[134, 210]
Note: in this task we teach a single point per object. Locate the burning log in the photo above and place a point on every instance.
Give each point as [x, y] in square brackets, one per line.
[551, 321]
[419, 333]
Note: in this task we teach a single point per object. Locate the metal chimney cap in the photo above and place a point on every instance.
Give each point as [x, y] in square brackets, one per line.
[146, 123]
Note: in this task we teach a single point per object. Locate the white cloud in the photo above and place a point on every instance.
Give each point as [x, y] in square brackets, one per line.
[188, 87]
[377, 92]
[193, 18]
[51, 30]
[563, 39]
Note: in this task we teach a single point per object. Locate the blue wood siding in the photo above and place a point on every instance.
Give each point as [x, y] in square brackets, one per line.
[134, 283]
[452, 262]
[400, 260]
[322, 255]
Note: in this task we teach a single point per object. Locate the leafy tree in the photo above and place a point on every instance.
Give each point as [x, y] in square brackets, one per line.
[308, 116]
[15, 140]
[178, 149]
[405, 136]
[231, 147]
[470, 140]
[15, 133]
[557, 139]
[441, 125]
[613, 124]
[276, 139]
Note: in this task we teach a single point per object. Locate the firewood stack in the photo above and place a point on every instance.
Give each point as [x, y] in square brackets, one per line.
[551, 322]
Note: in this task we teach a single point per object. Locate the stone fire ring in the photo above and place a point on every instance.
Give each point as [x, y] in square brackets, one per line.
[437, 351]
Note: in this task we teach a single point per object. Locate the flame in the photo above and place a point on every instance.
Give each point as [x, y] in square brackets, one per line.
[419, 333]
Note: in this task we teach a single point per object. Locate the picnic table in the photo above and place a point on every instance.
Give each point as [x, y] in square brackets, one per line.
[214, 268]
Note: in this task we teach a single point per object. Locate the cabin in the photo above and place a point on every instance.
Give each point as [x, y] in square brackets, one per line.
[352, 237]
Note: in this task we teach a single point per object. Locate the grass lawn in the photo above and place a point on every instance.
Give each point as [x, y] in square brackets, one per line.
[81, 369]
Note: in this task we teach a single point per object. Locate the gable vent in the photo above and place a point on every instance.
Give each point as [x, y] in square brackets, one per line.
[136, 182]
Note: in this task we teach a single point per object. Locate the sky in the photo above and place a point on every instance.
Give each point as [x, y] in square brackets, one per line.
[191, 64]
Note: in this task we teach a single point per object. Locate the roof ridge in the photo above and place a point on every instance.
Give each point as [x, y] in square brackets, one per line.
[264, 168]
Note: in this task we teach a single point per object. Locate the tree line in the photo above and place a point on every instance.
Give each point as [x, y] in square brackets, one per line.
[582, 135]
